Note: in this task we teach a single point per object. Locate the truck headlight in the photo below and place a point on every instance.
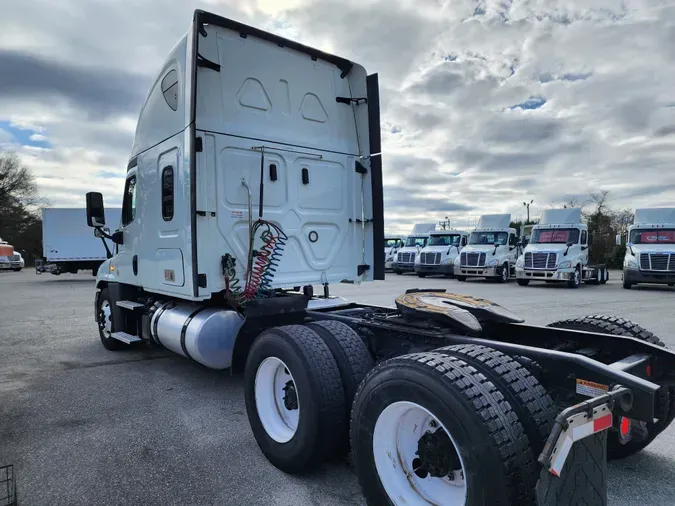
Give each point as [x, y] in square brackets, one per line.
[630, 263]
[565, 265]
[457, 261]
[494, 261]
[519, 262]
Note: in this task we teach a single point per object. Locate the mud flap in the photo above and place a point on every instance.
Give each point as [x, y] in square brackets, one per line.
[583, 480]
[574, 458]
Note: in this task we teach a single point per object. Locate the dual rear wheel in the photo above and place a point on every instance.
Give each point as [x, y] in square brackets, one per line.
[416, 420]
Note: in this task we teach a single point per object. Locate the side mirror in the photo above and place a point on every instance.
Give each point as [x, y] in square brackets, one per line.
[618, 239]
[570, 244]
[520, 244]
[95, 210]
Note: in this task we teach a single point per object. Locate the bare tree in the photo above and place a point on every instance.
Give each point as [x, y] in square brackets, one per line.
[17, 183]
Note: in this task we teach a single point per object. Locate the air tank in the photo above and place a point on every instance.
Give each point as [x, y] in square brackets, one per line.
[202, 333]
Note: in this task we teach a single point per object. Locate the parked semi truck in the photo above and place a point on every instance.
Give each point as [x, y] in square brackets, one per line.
[67, 242]
[10, 259]
[408, 255]
[491, 252]
[391, 246]
[444, 398]
[558, 252]
[438, 256]
[650, 248]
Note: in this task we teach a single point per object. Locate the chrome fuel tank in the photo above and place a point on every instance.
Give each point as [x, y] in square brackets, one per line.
[202, 333]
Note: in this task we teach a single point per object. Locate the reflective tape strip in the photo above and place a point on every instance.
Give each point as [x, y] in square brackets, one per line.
[580, 427]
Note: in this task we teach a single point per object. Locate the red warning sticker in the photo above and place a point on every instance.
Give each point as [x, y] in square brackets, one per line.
[591, 389]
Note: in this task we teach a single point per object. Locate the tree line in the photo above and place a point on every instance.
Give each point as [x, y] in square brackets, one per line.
[20, 204]
[603, 222]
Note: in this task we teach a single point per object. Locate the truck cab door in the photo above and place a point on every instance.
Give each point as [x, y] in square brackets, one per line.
[126, 260]
[585, 247]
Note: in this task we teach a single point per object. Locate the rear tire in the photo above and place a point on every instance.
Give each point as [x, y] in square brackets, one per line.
[523, 282]
[106, 325]
[353, 360]
[605, 276]
[665, 409]
[298, 431]
[461, 402]
[522, 390]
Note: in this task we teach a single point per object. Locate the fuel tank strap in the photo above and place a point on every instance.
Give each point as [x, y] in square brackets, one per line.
[184, 330]
[158, 313]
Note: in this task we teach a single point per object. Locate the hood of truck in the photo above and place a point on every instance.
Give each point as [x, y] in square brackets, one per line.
[653, 248]
[478, 248]
[545, 248]
[439, 249]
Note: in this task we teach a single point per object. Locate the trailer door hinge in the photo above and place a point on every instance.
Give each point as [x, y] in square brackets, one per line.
[199, 145]
[359, 168]
[349, 100]
[204, 62]
[362, 268]
[201, 280]
[359, 220]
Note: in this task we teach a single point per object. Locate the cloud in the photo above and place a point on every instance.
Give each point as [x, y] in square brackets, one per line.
[484, 103]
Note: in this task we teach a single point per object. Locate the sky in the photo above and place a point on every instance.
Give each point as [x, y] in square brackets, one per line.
[485, 104]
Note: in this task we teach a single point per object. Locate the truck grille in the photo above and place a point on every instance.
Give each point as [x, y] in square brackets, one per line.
[430, 258]
[473, 259]
[406, 258]
[540, 260]
[664, 262]
[14, 258]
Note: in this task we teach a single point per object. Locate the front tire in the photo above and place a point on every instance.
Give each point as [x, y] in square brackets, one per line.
[105, 322]
[414, 421]
[421, 275]
[576, 278]
[504, 274]
[460, 278]
[294, 398]
[523, 282]
[398, 272]
[17, 270]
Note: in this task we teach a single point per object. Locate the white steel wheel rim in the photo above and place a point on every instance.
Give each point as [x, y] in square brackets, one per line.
[105, 318]
[395, 442]
[271, 379]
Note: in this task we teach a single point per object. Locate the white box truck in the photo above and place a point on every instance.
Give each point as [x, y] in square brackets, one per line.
[438, 256]
[256, 168]
[650, 248]
[491, 252]
[409, 254]
[68, 244]
[558, 252]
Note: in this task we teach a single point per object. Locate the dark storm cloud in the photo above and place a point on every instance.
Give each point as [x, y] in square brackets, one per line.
[99, 92]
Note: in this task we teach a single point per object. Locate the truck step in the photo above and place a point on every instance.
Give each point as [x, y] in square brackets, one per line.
[125, 338]
[128, 304]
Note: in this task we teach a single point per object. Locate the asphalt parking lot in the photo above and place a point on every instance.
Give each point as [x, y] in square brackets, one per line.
[85, 426]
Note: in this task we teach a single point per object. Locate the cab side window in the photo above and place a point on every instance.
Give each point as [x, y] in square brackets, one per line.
[513, 240]
[464, 241]
[129, 202]
[584, 237]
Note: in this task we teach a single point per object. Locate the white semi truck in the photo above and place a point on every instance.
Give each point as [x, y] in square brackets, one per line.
[408, 255]
[438, 256]
[10, 259]
[491, 252]
[67, 243]
[650, 248]
[256, 169]
[391, 246]
[558, 252]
